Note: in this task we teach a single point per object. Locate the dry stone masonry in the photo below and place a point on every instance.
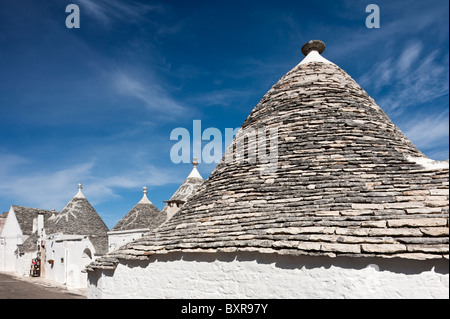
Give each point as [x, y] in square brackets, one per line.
[143, 215]
[347, 184]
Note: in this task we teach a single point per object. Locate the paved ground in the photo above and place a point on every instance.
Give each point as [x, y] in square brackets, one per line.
[12, 287]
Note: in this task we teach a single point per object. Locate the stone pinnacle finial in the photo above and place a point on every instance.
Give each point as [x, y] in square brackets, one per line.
[194, 162]
[79, 194]
[313, 45]
[194, 172]
[144, 199]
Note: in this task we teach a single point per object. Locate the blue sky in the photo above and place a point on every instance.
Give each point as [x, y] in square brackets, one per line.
[97, 104]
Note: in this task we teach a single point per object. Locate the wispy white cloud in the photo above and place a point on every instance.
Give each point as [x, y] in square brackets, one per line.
[417, 17]
[108, 11]
[9, 161]
[428, 131]
[54, 188]
[409, 56]
[222, 97]
[46, 190]
[413, 78]
[407, 87]
[152, 95]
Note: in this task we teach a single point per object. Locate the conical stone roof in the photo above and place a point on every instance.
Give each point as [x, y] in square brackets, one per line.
[189, 186]
[185, 191]
[144, 215]
[78, 217]
[347, 182]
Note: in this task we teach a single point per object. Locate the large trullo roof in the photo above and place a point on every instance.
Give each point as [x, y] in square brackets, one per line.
[78, 217]
[347, 182]
[144, 215]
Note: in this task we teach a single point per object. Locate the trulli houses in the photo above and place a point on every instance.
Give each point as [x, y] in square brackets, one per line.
[353, 209]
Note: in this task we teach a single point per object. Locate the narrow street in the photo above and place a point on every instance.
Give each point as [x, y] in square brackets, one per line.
[32, 288]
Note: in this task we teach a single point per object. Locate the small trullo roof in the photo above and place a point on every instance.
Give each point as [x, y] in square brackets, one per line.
[144, 215]
[78, 217]
[188, 187]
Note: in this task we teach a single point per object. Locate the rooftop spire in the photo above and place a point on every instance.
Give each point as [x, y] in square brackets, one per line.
[79, 194]
[195, 172]
[144, 199]
[313, 50]
[313, 45]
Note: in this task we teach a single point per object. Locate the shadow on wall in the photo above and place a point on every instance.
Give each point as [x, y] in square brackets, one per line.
[396, 265]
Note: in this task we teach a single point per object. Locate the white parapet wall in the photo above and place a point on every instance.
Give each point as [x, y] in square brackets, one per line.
[117, 239]
[250, 275]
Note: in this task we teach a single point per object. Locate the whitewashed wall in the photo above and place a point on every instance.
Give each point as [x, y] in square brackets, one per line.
[2, 253]
[269, 276]
[117, 239]
[23, 264]
[11, 237]
[67, 252]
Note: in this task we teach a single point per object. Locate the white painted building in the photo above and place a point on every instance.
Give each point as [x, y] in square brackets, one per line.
[253, 275]
[145, 216]
[63, 243]
[20, 223]
[75, 237]
[66, 257]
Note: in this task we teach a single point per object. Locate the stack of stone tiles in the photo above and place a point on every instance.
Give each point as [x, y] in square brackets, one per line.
[347, 183]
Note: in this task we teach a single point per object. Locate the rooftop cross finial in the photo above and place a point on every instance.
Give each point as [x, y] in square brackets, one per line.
[313, 45]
